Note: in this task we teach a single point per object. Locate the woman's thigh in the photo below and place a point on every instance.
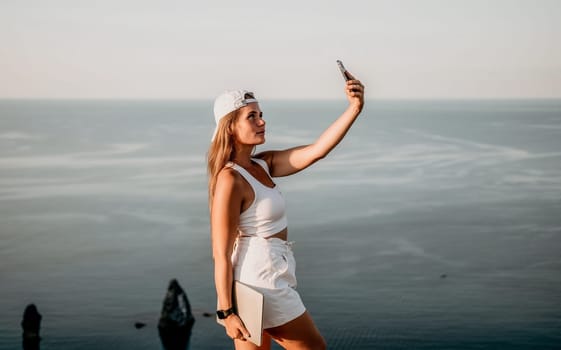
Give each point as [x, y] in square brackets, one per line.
[300, 333]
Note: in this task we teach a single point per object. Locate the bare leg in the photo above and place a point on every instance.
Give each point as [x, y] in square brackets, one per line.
[247, 345]
[298, 334]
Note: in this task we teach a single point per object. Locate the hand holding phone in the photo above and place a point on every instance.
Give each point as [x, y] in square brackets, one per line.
[354, 88]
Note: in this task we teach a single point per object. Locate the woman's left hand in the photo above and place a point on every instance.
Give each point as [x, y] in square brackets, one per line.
[355, 92]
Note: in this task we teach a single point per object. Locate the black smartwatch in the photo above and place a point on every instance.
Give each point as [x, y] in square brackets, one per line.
[222, 314]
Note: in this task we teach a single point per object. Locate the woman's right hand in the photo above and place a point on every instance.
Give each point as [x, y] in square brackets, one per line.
[235, 328]
[355, 92]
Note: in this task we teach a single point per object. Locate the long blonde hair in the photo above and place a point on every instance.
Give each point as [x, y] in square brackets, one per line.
[221, 150]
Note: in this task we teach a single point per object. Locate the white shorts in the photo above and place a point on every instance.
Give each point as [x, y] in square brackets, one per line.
[268, 265]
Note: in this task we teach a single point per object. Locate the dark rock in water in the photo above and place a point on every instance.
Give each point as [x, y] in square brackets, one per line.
[139, 325]
[443, 275]
[176, 320]
[207, 314]
[31, 325]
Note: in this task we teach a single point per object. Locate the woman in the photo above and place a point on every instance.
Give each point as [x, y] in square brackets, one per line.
[248, 221]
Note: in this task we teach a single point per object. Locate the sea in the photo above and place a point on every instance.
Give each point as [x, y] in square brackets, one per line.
[433, 225]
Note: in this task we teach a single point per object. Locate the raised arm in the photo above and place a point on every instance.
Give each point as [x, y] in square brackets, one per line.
[293, 160]
[224, 218]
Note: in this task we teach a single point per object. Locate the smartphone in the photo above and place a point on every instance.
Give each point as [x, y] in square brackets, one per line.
[346, 75]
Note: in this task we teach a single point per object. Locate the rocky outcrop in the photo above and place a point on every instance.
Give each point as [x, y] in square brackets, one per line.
[176, 319]
[31, 325]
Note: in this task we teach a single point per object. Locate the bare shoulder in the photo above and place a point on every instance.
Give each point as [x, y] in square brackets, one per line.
[228, 179]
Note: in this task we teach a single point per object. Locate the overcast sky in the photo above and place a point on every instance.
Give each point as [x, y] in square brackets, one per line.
[279, 49]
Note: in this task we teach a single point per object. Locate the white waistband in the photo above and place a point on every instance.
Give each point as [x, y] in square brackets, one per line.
[273, 241]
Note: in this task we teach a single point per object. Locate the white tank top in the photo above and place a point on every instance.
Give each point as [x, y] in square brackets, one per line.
[267, 213]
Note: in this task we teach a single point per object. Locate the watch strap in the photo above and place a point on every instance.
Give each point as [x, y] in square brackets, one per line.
[222, 314]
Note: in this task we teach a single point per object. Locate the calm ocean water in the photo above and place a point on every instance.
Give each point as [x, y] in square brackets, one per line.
[434, 225]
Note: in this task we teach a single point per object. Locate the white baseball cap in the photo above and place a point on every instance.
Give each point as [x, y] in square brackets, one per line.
[228, 102]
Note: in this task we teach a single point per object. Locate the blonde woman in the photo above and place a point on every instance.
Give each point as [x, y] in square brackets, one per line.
[248, 221]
